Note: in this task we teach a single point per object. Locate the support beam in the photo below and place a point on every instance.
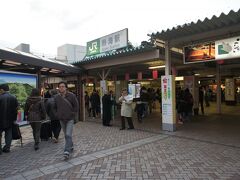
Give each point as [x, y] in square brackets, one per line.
[219, 101]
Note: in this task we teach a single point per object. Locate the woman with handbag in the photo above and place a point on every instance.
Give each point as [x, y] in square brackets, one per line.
[35, 113]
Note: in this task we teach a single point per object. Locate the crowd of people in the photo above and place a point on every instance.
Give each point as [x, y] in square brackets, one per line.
[61, 107]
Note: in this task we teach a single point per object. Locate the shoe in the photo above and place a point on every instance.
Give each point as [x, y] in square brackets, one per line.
[5, 149]
[55, 140]
[131, 128]
[66, 155]
[36, 147]
[122, 129]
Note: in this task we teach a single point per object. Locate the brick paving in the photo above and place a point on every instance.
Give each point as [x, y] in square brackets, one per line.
[206, 148]
[88, 137]
[167, 158]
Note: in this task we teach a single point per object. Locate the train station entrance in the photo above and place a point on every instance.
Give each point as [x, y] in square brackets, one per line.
[165, 54]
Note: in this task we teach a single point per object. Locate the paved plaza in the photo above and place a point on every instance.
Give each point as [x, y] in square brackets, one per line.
[206, 148]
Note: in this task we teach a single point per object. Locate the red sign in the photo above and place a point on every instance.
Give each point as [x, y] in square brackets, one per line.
[155, 74]
[139, 75]
[127, 76]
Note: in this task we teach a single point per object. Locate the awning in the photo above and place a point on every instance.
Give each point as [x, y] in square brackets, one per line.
[224, 26]
[15, 60]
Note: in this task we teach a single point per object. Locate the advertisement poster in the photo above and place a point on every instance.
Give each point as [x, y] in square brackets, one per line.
[228, 48]
[199, 53]
[134, 90]
[21, 86]
[168, 101]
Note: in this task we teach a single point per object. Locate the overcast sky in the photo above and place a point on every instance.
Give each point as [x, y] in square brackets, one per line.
[47, 24]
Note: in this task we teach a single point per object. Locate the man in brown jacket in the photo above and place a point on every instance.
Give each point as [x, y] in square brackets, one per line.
[66, 110]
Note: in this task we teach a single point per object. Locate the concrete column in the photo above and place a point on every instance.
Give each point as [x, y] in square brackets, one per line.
[219, 101]
[167, 58]
[168, 94]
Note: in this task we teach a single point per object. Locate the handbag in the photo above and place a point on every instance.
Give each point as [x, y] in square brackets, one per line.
[16, 133]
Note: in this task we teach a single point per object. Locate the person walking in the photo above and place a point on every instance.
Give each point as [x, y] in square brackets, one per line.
[8, 115]
[95, 103]
[107, 109]
[51, 111]
[66, 111]
[35, 113]
[201, 97]
[87, 103]
[126, 109]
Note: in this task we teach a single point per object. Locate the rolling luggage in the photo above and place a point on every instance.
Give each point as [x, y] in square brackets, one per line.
[46, 131]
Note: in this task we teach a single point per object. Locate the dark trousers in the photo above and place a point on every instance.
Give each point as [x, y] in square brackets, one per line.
[8, 138]
[130, 123]
[56, 128]
[36, 127]
[94, 110]
[202, 107]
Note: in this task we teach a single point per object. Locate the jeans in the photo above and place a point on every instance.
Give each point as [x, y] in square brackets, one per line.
[67, 127]
[8, 138]
[36, 127]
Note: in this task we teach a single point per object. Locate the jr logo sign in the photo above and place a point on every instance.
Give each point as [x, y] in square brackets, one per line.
[93, 47]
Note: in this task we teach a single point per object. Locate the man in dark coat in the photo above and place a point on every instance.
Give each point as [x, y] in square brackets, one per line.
[107, 108]
[8, 115]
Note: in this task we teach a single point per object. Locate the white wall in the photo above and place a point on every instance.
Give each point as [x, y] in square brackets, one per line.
[71, 52]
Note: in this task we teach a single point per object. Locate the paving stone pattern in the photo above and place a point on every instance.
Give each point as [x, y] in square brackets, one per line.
[167, 158]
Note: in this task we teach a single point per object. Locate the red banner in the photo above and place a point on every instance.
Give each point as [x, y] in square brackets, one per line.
[155, 74]
[127, 77]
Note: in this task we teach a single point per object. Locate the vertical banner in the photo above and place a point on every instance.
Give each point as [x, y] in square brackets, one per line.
[229, 90]
[139, 75]
[103, 89]
[168, 103]
[155, 74]
[127, 77]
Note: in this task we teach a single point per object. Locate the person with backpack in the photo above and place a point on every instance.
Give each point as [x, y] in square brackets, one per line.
[35, 113]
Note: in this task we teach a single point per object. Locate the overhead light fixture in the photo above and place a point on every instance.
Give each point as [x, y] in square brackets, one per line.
[44, 69]
[210, 75]
[54, 71]
[157, 67]
[196, 74]
[12, 62]
[7, 64]
[179, 78]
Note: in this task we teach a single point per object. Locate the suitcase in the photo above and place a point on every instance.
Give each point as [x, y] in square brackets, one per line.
[46, 131]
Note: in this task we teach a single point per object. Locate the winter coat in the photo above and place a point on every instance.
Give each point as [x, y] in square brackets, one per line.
[66, 107]
[8, 110]
[36, 104]
[126, 108]
[51, 108]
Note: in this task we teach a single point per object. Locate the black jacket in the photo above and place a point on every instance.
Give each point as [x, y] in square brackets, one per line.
[8, 110]
[51, 108]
